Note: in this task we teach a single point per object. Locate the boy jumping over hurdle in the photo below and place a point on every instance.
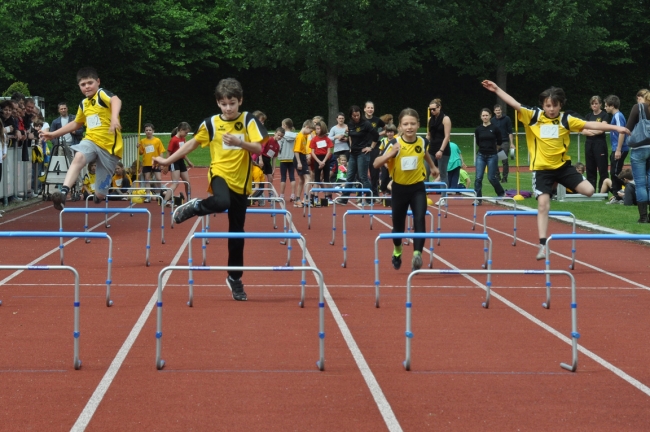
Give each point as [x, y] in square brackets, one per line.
[100, 113]
[232, 137]
[547, 136]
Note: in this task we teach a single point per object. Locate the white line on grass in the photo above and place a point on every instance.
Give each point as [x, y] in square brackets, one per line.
[373, 385]
[97, 396]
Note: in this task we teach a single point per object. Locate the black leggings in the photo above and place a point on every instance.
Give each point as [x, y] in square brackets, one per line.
[415, 196]
[223, 199]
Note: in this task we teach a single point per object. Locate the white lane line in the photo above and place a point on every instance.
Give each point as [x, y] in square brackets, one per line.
[604, 363]
[22, 216]
[97, 396]
[373, 385]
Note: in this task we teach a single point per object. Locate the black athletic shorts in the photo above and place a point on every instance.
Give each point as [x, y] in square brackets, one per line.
[268, 168]
[148, 169]
[566, 175]
[303, 162]
[179, 166]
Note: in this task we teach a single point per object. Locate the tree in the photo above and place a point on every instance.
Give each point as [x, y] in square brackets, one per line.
[330, 39]
[501, 37]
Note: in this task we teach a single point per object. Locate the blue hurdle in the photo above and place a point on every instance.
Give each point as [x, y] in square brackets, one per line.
[460, 236]
[55, 234]
[496, 200]
[250, 235]
[335, 200]
[516, 213]
[160, 363]
[189, 186]
[156, 197]
[106, 211]
[76, 362]
[205, 226]
[574, 237]
[325, 185]
[574, 314]
[379, 212]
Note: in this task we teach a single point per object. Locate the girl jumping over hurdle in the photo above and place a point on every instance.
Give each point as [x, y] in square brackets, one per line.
[405, 156]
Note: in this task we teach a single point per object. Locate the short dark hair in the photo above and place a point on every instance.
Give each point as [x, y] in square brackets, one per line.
[390, 128]
[625, 174]
[62, 103]
[87, 72]
[354, 109]
[150, 125]
[613, 100]
[555, 94]
[281, 129]
[229, 88]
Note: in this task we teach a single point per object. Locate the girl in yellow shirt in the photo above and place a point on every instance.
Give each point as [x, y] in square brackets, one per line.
[150, 147]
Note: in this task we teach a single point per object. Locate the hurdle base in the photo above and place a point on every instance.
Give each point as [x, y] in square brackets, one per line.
[407, 365]
[320, 364]
[160, 364]
[570, 368]
[77, 364]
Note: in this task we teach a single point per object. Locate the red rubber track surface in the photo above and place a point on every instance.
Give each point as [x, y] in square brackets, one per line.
[251, 365]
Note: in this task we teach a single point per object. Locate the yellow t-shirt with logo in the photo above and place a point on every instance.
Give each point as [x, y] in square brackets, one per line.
[89, 183]
[152, 147]
[231, 163]
[301, 145]
[407, 167]
[548, 139]
[95, 113]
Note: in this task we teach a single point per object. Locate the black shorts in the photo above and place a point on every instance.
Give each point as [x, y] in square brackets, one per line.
[566, 175]
[179, 166]
[268, 167]
[148, 169]
[303, 161]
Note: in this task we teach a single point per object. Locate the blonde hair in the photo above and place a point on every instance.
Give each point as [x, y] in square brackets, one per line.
[645, 94]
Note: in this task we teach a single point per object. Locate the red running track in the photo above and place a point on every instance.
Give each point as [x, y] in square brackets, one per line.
[251, 366]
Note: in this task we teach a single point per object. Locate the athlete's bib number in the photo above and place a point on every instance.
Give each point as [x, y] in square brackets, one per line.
[93, 121]
[148, 149]
[549, 131]
[321, 144]
[232, 147]
[270, 153]
[409, 163]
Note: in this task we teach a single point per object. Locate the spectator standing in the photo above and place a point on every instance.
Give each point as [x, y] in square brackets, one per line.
[363, 139]
[619, 141]
[286, 158]
[378, 124]
[488, 140]
[439, 134]
[504, 124]
[640, 157]
[338, 134]
[596, 145]
[68, 139]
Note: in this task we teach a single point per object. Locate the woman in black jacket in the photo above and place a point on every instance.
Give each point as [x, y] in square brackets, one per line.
[488, 141]
[363, 139]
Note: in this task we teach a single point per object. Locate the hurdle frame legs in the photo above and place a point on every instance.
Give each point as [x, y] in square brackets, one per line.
[160, 363]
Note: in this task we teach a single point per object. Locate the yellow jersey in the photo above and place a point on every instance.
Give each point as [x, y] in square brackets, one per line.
[407, 167]
[301, 144]
[95, 113]
[548, 138]
[151, 148]
[89, 183]
[231, 163]
[258, 175]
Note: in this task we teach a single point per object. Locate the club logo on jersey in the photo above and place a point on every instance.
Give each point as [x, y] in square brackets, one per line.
[92, 102]
[418, 149]
[358, 129]
[239, 126]
[556, 122]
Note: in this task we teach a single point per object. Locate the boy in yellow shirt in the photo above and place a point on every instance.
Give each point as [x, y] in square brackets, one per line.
[232, 137]
[547, 137]
[150, 147]
[100, 113]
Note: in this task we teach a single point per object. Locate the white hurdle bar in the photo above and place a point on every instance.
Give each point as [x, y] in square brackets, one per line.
[249, 235]
[515, 213]
[205, 226]
[574, 237]
[158, 197]
[381, 212]
[76, 362]
[60, 235]
[574, 314]
[106, 211]
[460, 236]
[160, 363]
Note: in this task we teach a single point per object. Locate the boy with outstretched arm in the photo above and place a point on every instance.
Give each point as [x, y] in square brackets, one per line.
[232, 137]
[547, 136]
[100, 113]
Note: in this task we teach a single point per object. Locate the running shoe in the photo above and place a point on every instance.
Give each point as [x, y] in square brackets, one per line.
[96, 200]
[58, 199]
[397, 261]
[185, 211]
[416, 262]
[237, 288]
[541, 253]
